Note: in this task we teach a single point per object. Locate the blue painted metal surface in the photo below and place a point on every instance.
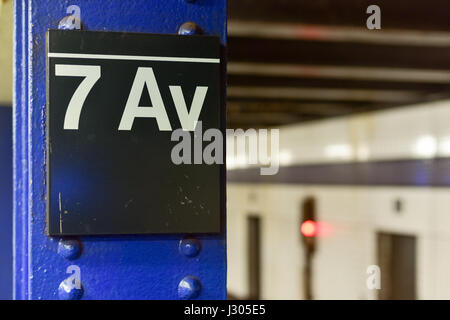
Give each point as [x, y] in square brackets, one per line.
[5, 203]
[125, 267]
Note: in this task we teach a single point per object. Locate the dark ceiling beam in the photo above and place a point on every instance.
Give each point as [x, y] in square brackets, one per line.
[338, 34]
[324, 94]
[242, 117]
[270, 117]
[398, 14]
[246, 121]
[340, 72]
[282, 81]
[303, 108]
[276, 51]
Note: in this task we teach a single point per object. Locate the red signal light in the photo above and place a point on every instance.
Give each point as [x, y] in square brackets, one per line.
[309, 228]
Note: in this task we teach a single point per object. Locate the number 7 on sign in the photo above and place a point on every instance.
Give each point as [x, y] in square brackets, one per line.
[91, 74]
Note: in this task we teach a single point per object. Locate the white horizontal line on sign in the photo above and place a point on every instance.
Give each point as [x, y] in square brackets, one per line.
[127, 57]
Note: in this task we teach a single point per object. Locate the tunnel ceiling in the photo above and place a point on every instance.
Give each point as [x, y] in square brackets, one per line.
[294, 61]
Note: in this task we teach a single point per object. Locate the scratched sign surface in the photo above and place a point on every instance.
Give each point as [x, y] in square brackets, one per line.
[113, 102]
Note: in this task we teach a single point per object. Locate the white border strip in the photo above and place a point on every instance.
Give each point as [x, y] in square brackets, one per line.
[127, 57]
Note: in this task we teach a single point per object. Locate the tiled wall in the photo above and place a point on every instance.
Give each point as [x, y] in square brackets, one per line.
[415, 132]
[351, 214]
[350, 217]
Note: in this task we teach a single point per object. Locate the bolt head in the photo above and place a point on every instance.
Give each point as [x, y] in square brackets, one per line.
[69, 248]
[70, 290]
[189, 29]
[189, 288]
[190, 247]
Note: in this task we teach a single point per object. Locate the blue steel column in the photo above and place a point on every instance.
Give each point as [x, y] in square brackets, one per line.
[117, 267]
[5, 203]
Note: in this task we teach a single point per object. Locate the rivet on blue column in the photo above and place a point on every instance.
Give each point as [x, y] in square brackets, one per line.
[70, 290]
[189, 29]
[189, 288]
[69, 248]
[190, 247]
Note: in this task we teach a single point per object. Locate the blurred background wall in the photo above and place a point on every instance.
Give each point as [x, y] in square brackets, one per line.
[6, 31]
[364, 119]
[372, 174]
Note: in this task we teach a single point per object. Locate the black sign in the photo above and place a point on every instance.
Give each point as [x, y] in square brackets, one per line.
[113, 102]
